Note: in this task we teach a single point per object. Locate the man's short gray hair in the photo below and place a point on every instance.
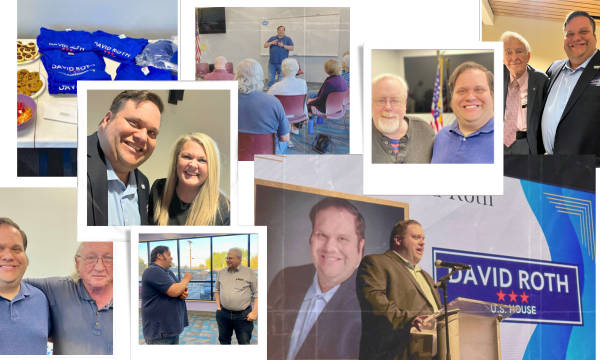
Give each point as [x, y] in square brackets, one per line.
[507, 35]
[403, 85]
[220, 62]
[290, 67]
[75, 274]
[238, 252]
[249, 75]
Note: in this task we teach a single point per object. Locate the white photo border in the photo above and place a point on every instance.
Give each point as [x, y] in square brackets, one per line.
[121, 233]
[258, 351]
[434, 179]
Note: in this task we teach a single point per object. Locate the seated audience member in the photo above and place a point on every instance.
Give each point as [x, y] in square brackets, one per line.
[397, 138]
[469, 139]
[190, 194]
[346, 69]
[220, 72]
[290, 85]
[259, 113]
[334, 83]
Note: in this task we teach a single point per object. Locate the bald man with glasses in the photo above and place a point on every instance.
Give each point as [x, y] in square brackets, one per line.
[397, 138]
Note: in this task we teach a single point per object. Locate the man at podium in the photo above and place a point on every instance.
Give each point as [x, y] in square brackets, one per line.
[395, 295]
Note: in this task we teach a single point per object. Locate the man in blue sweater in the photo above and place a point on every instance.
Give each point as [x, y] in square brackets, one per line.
[279, 49]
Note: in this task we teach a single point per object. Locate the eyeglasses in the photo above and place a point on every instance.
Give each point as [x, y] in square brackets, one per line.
[230, 258]
[393, 102]
[90, 260]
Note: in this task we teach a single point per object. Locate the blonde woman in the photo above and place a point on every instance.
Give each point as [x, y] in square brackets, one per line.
[334, 83]
[190, 194]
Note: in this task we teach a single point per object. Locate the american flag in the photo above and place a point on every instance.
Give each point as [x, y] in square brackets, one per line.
[198, 50]
[436, 104]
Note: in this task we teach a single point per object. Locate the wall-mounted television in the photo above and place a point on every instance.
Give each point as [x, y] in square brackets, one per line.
[211, 20]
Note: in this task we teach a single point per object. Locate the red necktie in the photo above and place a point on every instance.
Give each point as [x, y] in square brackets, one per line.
[510, 118]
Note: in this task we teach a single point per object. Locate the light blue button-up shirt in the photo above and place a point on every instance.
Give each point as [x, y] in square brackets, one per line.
[314, 302]
[123, 201]
[557, 101]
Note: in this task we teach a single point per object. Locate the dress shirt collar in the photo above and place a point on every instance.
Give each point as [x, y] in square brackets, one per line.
[315, 290]
[415, 268]
[112, 175]
[488, 127]
[582, 66]
[522, 81]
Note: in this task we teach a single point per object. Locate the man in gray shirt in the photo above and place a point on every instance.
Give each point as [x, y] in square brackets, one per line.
[81, 305]
[235, 287]
[397, 138]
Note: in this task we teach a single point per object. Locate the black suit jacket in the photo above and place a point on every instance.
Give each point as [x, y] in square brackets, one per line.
[390, 299]
[335, 334]
[537, 88]
[97, 186]
[578, 130]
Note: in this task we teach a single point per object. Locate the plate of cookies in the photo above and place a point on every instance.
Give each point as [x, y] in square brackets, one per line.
[27, 53]
[30, 83]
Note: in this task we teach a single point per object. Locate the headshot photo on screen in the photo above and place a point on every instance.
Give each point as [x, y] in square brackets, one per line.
[316, 240]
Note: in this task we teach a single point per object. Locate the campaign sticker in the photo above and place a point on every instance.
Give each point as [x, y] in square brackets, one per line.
[543, 291]
[264, 23]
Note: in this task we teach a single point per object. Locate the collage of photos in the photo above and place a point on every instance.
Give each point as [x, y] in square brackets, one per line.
[171, 157]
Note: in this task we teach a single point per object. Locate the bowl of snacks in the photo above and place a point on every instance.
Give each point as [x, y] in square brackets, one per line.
[26, 109]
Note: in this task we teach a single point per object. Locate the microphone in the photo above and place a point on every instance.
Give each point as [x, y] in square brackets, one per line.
[457, 266]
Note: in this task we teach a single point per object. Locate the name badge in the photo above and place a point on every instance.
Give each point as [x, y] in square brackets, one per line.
[240, 279]
[595, 81]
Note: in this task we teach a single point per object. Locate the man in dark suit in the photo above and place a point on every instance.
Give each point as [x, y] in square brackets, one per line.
[117, 190]
[395, 296]
[528, 86]
[312, 310]
[571, 119]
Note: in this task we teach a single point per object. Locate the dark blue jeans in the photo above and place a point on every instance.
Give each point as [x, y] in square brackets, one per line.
[229, 321]
[173, 340]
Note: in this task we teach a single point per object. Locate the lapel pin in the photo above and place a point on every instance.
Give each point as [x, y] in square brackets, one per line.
[533, 88]
[143, 186]
[596, 67]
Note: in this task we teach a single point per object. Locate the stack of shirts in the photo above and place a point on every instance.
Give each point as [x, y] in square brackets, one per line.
[65, 69]
[130, 71]
[73, 55]
[119, 48]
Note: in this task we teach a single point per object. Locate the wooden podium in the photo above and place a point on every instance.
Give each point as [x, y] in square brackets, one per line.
[474, 329]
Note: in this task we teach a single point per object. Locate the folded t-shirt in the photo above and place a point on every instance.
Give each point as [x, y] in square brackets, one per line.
[71, 41]
[64, 70]
[130, 71]
[112, 46]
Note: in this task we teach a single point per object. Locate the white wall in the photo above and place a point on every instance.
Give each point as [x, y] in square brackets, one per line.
[242, 40]
[205, 111]
[134, 18]
[47, 216]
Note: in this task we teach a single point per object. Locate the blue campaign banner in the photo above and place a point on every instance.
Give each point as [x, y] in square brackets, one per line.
[543, 291]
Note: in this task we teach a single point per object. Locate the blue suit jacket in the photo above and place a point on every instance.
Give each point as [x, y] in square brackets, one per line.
[578, 131]
[335, 334]
[97, 186]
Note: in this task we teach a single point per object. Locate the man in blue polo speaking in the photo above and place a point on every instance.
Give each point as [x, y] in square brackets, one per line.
[279, 49]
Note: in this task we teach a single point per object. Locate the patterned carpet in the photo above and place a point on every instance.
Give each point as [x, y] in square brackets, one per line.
[203, 329]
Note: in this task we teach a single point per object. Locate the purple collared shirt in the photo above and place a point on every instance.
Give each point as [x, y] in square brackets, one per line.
[452, 147]
[219, 74]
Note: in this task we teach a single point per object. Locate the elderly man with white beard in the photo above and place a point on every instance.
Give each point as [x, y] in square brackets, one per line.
[397, 138]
